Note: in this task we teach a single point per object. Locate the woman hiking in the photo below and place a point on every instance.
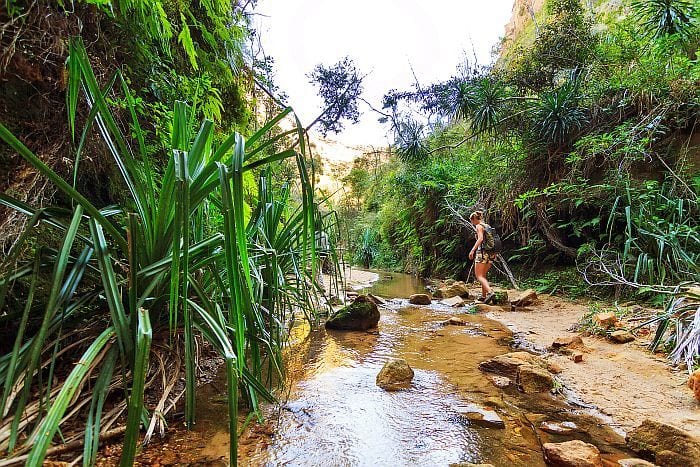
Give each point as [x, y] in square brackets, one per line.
[482, 258]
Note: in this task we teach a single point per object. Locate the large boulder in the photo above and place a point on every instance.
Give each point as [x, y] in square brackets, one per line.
[455, 289]
[664, 444]
[533, 379]
[508, 364]
[420, 299]
[574, 453]
[360, 315]
[394, 375]
[528, 297]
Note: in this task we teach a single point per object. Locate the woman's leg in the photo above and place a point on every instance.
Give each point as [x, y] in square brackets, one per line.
[480, 270]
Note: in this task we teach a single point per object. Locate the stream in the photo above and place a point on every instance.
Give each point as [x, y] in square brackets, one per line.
[335, 415]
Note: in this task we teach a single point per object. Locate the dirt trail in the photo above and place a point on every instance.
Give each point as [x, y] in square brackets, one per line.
[625, 381]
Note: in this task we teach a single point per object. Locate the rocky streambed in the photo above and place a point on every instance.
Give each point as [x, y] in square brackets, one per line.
[458, 390]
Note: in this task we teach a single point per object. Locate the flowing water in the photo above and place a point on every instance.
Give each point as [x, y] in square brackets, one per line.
[335, 415]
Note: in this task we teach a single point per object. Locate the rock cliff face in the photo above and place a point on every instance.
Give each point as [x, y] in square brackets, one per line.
[527, 15]
[523, 13]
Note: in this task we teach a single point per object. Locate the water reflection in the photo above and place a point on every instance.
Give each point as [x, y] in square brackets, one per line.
[336, 414]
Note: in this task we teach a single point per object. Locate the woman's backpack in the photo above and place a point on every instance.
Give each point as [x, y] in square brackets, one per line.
[492, 241]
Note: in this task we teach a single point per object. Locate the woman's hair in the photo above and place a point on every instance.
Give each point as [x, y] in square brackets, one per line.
[478, 215]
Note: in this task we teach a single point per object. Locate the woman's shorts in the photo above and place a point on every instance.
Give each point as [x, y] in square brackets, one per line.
[485, 257]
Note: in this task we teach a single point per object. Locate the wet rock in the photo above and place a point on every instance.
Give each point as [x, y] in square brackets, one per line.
[694, 383]
[478, 416]
[634, 462]
[532, 379]
[621, 337]
[559, 428]
[360, 315]
[376, 299]
[507, 364]
[454, 302]
[454, 321]
[501, 382]
[574, 453]
[496, 401]
[526, 298]
[420, 299]
[567, 345]
[454, 289]
[394, 375]
[664, 444]
[484, 308]
[605, 320]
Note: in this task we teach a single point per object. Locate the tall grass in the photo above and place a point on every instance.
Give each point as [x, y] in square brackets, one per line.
[155, 264]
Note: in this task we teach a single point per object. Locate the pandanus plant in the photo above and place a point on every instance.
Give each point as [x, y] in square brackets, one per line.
[153, 265]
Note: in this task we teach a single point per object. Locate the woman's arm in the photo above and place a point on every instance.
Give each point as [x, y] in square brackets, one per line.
[479, 240]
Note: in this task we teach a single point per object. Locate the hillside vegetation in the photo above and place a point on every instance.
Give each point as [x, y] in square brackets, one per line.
[582, 147]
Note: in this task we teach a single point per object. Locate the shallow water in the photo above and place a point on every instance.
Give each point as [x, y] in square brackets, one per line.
[335, 415]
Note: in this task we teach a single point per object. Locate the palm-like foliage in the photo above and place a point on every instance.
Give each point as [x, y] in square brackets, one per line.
[409, 140]
[557, 116]
[666, 17]
[465, 100]
[230, 286]
[489, 104]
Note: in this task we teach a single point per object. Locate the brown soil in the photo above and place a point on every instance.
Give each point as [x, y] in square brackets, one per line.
[625, 381]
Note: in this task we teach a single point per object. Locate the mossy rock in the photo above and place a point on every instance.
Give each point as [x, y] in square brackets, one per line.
[360, 315]
[500, 298]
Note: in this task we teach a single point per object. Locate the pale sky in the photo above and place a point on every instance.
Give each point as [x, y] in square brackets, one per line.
[385, 38]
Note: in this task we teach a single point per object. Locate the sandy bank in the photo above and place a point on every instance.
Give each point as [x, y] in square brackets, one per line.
[625, 381]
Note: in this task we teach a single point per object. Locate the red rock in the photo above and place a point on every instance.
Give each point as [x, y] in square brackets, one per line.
[572, 454]
[577, 357]
[605, 320]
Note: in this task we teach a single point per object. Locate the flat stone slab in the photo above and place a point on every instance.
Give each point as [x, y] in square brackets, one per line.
[559, 428]
[479, 416]
[454, 302]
